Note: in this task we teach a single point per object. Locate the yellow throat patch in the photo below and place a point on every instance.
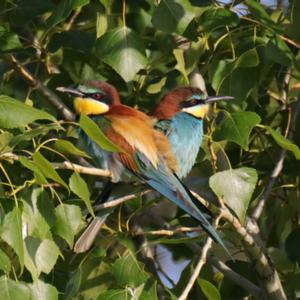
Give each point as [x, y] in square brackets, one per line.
[199, 111]
[88, 106]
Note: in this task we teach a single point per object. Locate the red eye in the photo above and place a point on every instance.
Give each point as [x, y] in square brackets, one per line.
[193, 102]
[97, 96]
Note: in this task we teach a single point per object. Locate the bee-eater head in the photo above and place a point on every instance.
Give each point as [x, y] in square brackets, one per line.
[93, 97]
[186, 99]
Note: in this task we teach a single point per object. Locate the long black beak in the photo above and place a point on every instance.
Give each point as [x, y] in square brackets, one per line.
[217, 98]
[70, 91]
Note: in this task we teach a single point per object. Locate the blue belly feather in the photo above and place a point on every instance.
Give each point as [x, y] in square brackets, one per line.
[185, 135]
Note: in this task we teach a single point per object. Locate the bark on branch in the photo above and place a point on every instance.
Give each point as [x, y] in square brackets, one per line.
[38, 85]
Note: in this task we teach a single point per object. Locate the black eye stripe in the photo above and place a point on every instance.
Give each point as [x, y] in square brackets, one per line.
[99, 97]
[192, 102]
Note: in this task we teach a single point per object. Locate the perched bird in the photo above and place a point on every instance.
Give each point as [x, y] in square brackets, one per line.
[179, 115]
[144, 151]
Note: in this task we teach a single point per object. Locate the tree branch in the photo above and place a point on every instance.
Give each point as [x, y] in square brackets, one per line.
[221, 266]
[81, 169]
[268, 275]
[38, 85]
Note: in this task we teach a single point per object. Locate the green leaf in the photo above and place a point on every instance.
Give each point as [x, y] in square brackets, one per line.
[30, 134]
[28, 9]
[209, 290]
[73, 284]
[278, 52]
[114, 294]
[284, 142]
[14, 113]
[9, 41]
[259, 11]
[40, 256]
[128, 271]
[5, 141]
[180, 66]
[5, 264]
[47, 169]
[156, 87]
[235, 77]
[173, 15]
[295, 17]
[68, 148]
[79, 187]
[68, 218]
[38, 213]
[123, 50]
[216, 17]
[76, 40]
[235, 187]
[11, 233]
[236, 127]
[12, 290]
[43, 291]
[63, 10]
[40, 178]
[292, 245]
[95, 133]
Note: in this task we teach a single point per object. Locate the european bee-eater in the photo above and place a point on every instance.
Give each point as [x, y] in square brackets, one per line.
[145, 151]
[179, 116]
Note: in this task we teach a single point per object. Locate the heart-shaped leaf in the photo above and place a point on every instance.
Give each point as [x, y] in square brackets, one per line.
[235, 187]
[123, 50]
[236, 127]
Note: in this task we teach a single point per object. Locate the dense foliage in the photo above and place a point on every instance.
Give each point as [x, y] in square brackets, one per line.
[245, 49]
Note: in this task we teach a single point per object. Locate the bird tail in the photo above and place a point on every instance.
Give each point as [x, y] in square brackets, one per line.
[182, 197]
[87, 238]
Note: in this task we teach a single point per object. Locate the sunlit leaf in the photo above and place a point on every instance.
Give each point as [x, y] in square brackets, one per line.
[95, 133]
[79, 187]
[235, 187]
[12, 290]
[9, 41]
[42, 253]
[128, 271]
[47, 169]
[14, 113]
[236, 127]
[209, 290]
[123, 50]
[11, 232]
[67, 147]
[5, 264]
[68, 218]
[284, 142]
[41, 290]
[180, 66]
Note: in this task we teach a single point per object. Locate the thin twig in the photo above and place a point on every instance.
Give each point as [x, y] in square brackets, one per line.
[69, 24]
[169, 232]
[119, 201]
[201, 262]
[81, 169]
[38, 85]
